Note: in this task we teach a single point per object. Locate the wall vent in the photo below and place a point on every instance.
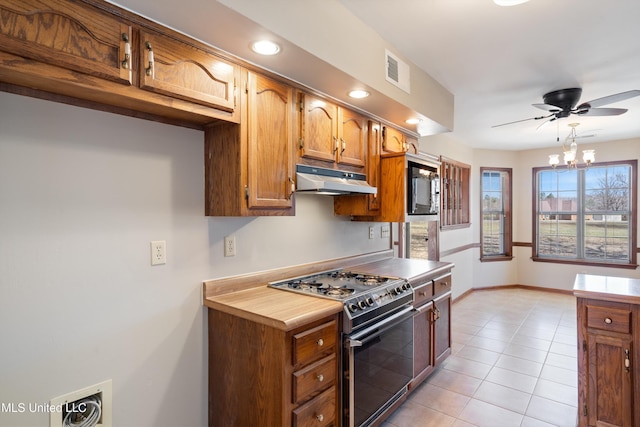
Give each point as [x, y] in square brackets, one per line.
[397, 72]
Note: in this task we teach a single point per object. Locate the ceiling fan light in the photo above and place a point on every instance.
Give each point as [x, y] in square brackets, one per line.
[509, 2]
[589, 156]
[569, 157]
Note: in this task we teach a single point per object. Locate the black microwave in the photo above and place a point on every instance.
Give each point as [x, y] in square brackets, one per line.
[423, 189]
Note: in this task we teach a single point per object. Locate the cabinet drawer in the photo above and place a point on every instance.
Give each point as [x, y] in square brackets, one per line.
[314, 344]
[441, 285]
[609, 319]
[318, 412]
[423, 293]
[314, 378]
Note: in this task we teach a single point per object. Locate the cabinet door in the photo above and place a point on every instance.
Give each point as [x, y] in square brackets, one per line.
[352, 129]
[422, 354]
[67, 34]
[179, 70]
[610, 381]
[373, 163]
[270, 135]
[442, 328]
[318, 128]
[393, 141]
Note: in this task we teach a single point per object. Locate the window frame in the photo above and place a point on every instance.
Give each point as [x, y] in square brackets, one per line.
[507, 212]
[457, 195]
[633, 218]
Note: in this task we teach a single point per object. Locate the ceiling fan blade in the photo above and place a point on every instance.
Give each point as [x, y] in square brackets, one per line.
[548, 107]
[523, 120]
[611, 98]
[601, 111]
[544, 124]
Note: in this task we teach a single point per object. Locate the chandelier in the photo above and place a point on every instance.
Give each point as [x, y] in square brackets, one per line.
[570, 150]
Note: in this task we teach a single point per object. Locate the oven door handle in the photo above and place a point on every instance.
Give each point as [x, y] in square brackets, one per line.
[360, 338]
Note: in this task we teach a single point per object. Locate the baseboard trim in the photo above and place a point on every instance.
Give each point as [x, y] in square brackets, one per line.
[528, 287]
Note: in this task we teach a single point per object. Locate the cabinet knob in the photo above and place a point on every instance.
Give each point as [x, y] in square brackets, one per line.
[320, 342]
[320, 417]
[608, 320]
[320, 377]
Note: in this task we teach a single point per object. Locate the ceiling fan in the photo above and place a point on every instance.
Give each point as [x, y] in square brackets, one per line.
[564, 102]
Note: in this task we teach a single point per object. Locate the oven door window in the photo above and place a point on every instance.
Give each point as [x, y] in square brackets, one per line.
[383, 366]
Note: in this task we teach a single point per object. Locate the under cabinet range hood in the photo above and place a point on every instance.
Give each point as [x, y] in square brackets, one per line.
[331, 182]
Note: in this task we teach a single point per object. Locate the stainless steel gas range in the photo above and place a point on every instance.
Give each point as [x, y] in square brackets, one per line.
[377, 359]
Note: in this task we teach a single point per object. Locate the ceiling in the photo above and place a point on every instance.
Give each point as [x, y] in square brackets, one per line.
[496, 61]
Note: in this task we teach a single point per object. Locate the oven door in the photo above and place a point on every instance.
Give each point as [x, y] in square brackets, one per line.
[378, 367]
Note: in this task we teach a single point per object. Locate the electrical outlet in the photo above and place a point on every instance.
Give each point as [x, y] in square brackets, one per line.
[158, 252]
[372, 232]
[230, 246]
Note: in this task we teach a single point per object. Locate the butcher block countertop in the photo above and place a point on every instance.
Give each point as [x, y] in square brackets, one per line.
[249, 296]
[617, 289]
[274, 307]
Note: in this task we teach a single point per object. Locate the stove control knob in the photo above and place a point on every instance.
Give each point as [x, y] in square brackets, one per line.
[362, 305]
[352, 307]
[398, 290]
[369, 301]
[406, 287]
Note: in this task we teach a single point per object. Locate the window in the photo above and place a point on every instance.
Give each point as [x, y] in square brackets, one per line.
[586, 216]
[495, 234]
[454, 193]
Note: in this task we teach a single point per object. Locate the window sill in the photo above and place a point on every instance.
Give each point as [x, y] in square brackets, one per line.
[455, 226]
[587, 263]
[496, 258]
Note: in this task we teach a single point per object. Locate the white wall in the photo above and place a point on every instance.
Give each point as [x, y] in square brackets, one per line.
[82, 193]
[544, 274]
[469, 271]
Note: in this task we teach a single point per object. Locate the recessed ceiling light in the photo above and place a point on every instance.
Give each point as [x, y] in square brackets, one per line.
[265, 47]
[509, 2]
[412, 121]
[359, 94]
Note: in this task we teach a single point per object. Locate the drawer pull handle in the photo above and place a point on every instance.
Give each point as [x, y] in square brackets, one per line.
[320, 417]
[320, 342]
[150, 59]
[627, 361]
[608, 320]
[127, 51]
[320, 377]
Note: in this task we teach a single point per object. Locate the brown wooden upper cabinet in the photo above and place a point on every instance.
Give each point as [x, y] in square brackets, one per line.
[393, 141]
[177, 69]
[364, 206]
[330, 133]
[66, 34]
[249, 166]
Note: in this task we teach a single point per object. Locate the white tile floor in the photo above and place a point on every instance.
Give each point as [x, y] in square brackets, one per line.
[513, 364]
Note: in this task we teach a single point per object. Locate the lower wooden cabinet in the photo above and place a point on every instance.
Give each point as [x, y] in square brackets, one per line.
[431, 326]
[608, 383]
[264, 376]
